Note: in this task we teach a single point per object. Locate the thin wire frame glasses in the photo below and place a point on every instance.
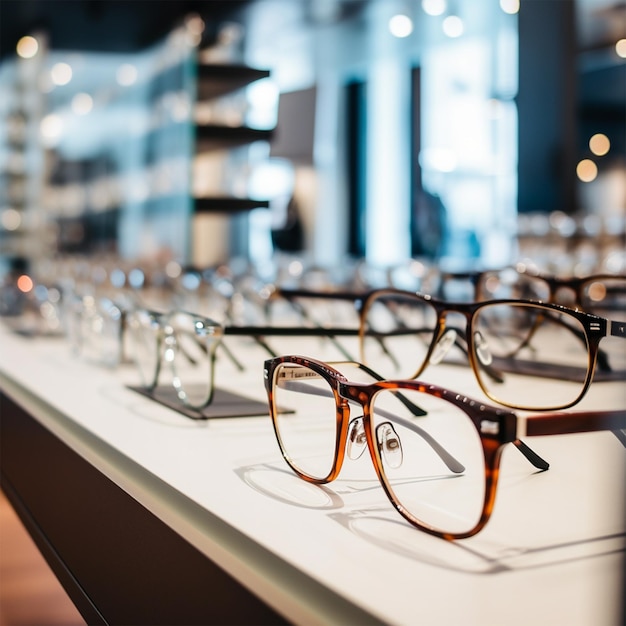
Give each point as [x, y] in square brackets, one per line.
[510, 344]
[439, 469]
[186, 342]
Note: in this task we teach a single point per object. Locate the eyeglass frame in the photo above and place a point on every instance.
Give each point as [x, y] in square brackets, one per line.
[495, 426]
[554, 283]
[594, 326]
[160, 319]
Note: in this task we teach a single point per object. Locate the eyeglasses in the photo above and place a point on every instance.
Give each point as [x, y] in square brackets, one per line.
[96, 328]
[510, 344]
[439, 468]
[186, 342]
[596, 293]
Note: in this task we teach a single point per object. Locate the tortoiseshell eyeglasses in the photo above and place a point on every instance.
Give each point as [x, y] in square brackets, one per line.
[436, 452]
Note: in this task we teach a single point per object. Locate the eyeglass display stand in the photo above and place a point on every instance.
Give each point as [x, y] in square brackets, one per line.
[147, 517]
[224, 404]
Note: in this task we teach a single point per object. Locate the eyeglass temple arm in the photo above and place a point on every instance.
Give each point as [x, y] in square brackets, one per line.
[532, 457]
[203, 348]
[304, 313]
[350, 296]
[616, 329]
[565, 423]
[411, 406]
[451, 463]
[346, 296]
[231, 356]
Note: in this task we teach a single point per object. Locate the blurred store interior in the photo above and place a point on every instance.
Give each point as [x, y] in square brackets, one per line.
[325, 133]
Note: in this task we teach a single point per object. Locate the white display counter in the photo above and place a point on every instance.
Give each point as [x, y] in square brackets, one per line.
[553, 552]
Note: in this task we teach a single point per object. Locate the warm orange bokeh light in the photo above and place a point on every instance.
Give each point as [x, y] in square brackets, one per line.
[24, 283]
[586, 170]
[599, 144]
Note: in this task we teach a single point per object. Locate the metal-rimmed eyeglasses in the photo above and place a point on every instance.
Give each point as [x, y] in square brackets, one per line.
[186, 342]
[506, 341]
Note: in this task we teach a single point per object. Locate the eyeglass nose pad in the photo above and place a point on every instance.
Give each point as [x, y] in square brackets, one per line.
[389, 443]
[443, 346]
[482, 349]
[356, 439]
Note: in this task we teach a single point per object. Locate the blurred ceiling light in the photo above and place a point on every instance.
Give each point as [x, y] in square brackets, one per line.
[599, 144]
[51, 128]
[453, 26]
[400, 26]
[82, 103]
[586, 170]
[510, 6]
[434, 7]
[27, 47]
[126, 75]
[620, 48]
[11, 219]
[61, 74]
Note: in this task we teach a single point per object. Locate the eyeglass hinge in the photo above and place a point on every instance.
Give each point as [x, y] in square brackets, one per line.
[489, 427]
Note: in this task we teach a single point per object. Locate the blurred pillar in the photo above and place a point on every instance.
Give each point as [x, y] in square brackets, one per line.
[547, 107]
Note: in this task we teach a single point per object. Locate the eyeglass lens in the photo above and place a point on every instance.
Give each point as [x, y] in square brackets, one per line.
[143, 335]
[305, 420]
[190, 352]
[180, 342]
[521, 349]
[433, 465]
[514, 346]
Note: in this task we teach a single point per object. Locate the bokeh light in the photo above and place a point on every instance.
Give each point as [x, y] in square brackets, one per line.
[82, 103]
[126, 75]
[27, 47]
[599, 144]
[586, 170]
[434, 7]
[453, 26]
[510, 6]
[25, 283]
[61, 74]
[400, 26]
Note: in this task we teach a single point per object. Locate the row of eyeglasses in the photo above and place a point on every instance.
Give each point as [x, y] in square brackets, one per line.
[513, 327]
[436, 452]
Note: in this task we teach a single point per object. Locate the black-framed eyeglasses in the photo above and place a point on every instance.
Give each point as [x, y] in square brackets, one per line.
[439, 469]
[516, 348]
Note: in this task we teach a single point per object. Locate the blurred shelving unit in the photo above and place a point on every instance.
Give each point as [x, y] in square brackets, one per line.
[21, 164]
[221, 163]
[156, 165]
